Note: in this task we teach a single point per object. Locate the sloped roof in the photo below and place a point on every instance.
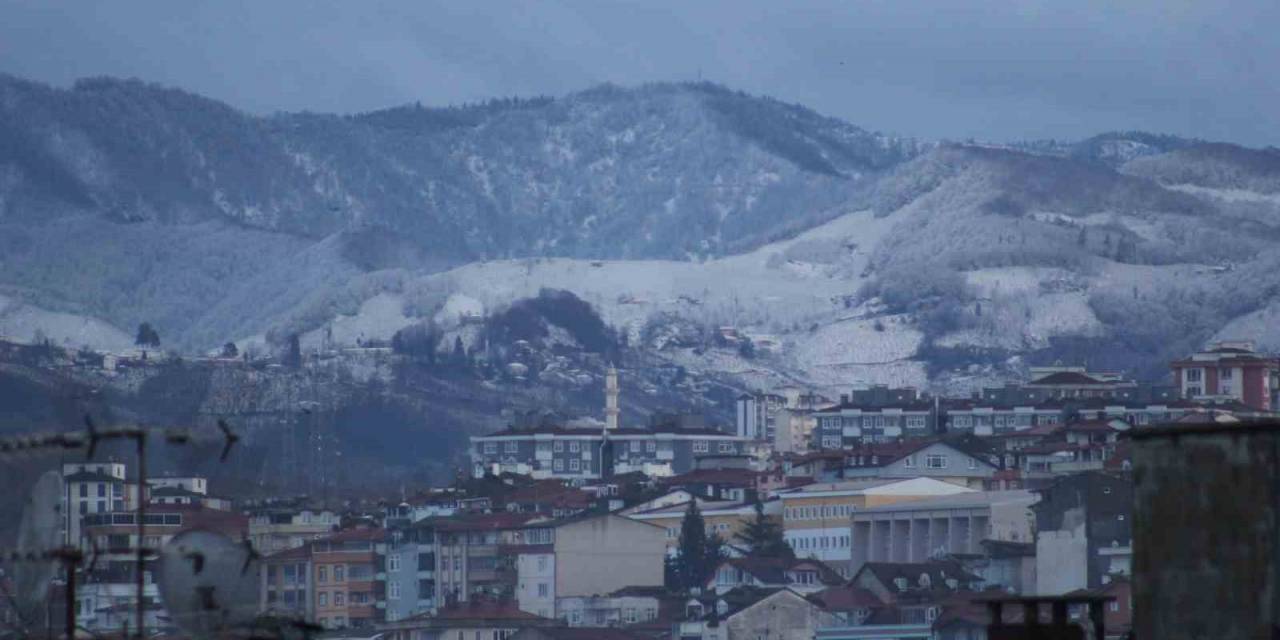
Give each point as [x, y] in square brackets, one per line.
[846, 598]
[938, 572]
[773, 570]
[1070, 378]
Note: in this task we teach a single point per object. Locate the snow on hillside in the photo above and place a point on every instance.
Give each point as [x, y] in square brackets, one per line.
[28, 323]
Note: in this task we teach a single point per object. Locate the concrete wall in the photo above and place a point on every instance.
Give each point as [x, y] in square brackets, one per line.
[536, 583]
[1062, 560]
[1205, 535]
[601, 555]
[784, 615]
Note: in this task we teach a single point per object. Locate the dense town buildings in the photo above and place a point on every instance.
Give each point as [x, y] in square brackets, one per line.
[897, 507]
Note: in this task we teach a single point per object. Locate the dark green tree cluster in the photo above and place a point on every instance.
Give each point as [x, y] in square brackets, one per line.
[147, 336]
[762, 537]
[698, 554]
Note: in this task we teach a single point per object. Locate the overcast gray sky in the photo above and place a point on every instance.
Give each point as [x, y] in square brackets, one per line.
[989, 69]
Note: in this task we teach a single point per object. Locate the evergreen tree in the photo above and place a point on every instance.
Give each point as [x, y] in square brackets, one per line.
[763, 537]
[698, 554]
[459, 357]
[147, 336]
[229, 350]
[293, 353]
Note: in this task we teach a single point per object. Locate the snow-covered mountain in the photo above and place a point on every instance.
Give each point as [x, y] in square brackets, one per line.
[691, 216]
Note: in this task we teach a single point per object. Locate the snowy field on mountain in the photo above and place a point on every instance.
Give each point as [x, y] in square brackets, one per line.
[28, 323]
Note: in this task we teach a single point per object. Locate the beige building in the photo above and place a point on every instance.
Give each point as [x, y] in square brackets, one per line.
[274, 529]
[816, 517]
[588, 556]
[918, 530]
[725, 519]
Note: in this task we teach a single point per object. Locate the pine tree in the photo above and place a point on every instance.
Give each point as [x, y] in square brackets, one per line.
[293, 353]
[698, 554]
[147, 336]
[763, 537]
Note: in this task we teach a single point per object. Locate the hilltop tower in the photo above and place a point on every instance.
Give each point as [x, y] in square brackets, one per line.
[611, 399]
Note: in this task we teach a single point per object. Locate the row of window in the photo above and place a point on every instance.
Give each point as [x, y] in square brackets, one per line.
[936, 461]
[340, 597]
[818, 512]
[880, 421]
[116, 489]
[574, 446]
[809, 543]
[341, 573]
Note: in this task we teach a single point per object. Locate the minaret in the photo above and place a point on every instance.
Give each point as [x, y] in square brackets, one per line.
[611, 399]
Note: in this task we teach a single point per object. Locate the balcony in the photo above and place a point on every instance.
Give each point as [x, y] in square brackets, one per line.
[1076, 466]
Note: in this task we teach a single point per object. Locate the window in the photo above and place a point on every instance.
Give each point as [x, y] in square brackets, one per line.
[650, 446]
[1193, 375]
[511, 446]
[102, 490]
[726, 447]
[557, 465]
[490, 447]
[339, 573]
[557, 446]
[339, 598]
[84, 490]
[973, 463]
[701, 446]
[323, 598]
[634, 445]
[629, 615]
[935, 461]
[393, 563]
[575, 464]
[543, 590]
[1115, 605]
[542, 563]
[915, 422]
[574, 446]
[393, 590]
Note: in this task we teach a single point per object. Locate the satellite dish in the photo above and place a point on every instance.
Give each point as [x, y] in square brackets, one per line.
[39, 533]
[208, 583]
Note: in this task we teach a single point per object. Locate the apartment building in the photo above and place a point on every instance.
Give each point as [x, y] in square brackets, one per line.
[93, 488]
[281, 525]
[347, 591]
[408, 574]
[1229, 372]
[1084, 531]
[108, 587]
[287, 583]
[587, 556]
[587, 453]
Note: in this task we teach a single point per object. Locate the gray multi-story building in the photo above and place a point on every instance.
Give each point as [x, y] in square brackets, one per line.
[886, 415]
[408, 570]
[585, 453]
